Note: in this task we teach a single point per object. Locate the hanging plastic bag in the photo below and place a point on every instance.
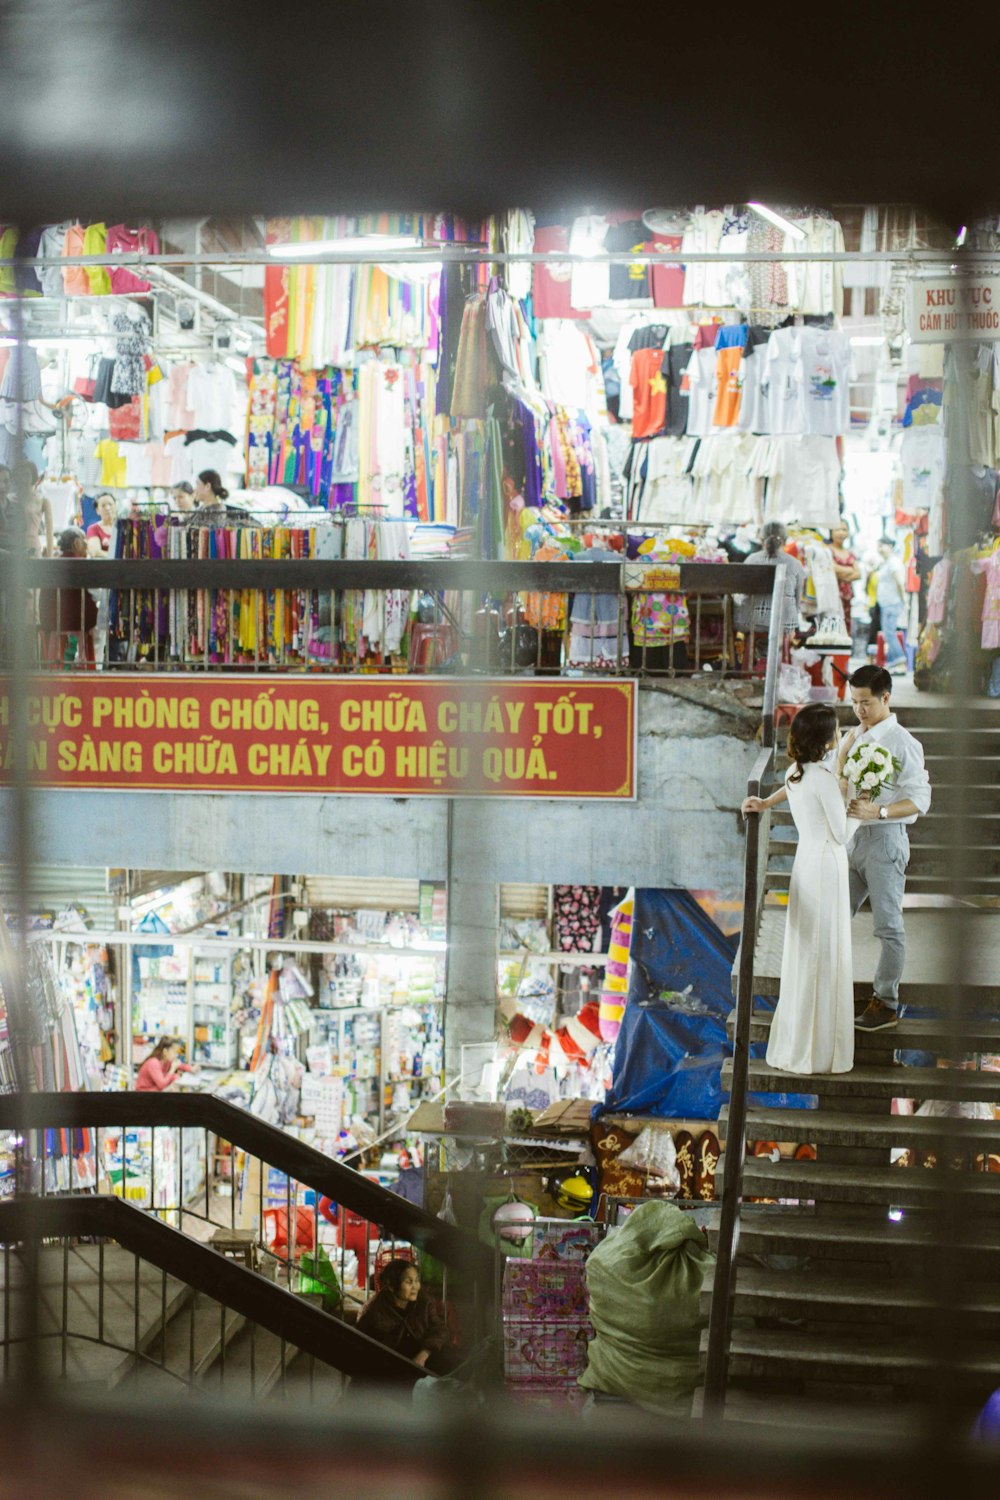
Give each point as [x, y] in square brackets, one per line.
[317, 1278]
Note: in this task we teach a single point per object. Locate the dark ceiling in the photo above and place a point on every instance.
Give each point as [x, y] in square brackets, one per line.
[167, 107]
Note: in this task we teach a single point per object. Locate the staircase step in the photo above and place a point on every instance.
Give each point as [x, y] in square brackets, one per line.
[834, 1128]
[918, 883]
[252, 1366]
[846, 1294]
[916, 1033]
[760, 1352]
[933, 937]
[853, 1238]
[925, 858]
[893, 1082]
[833, 1421]
[829, 1182]
[190, 1352]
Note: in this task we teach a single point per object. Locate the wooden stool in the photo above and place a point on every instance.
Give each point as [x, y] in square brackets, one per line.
[237, 1244]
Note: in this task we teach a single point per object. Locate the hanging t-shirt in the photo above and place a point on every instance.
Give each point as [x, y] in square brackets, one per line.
[76, 282]
[753, 404]
[95, 242]
[628, 283]
[781, 384]
[922, 454]
[50, 278]
[702, 236]
[678, 359]
[804, 481]
[649, 393]
[112, 463]
[649, 336]
[728, 373]
[666, 280]
[824, 381]
[589, 281]
[211, 394]
[701, 391]
[124, 241]
[923, 408]
[551, 284]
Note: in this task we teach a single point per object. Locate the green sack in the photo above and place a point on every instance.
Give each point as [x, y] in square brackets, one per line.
[644, 1281]
[317, 1278]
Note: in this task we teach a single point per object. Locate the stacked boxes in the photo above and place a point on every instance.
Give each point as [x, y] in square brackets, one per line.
[546, 1327]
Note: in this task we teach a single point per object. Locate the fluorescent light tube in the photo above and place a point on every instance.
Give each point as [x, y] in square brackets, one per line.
[778, 220]
[296, 249]
[867, 340]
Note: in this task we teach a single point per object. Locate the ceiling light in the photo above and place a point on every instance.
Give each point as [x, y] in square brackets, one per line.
[302, 249]
[961, 237]
[778, 220]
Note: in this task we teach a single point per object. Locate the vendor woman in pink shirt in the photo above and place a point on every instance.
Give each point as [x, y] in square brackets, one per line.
[161, 1068]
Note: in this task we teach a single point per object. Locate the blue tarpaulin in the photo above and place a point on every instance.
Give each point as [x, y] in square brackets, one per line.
[669, 1055]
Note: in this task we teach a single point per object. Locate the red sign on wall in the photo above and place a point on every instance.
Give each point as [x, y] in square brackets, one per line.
[384, 736]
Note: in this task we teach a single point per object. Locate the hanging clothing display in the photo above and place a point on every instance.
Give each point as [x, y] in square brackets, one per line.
[128, 378]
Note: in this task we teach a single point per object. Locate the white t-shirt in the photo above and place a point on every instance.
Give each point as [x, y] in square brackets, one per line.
[804, 482]
[701, 379]
[211, 395]
[589, 283]
[782, 381]
[62, 497]
[922, 457]
[701, 237]
[824, 381]
[138, 463]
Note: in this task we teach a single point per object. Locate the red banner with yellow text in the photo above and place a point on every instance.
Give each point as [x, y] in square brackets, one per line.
[391, 736]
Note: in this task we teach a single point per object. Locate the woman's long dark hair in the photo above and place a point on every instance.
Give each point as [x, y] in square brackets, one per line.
[809, 735]
[213, 479]
[161, 1047]
[392, 1276]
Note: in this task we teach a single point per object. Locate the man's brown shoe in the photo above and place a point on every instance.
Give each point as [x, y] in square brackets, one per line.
[876, 1017]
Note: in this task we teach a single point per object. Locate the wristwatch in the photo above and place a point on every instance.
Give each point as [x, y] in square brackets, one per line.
[883, 813]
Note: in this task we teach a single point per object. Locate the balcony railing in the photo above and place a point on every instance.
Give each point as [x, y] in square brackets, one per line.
[459, 615]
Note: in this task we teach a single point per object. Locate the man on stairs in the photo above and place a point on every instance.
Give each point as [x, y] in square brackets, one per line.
[879, 852]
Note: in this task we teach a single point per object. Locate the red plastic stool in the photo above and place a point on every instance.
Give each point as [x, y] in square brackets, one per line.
[880, 647]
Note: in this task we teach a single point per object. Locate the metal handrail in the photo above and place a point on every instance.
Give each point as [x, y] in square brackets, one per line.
[254, 1297]
[406, 574]
[452, 1246]
[754, 886]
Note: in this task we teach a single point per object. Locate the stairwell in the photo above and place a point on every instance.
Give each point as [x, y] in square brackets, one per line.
[864, 1278]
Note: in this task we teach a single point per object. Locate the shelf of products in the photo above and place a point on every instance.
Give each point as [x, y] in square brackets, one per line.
[212, 1031]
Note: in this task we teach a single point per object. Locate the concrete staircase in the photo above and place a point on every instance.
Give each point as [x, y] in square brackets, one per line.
[861, 1277]
[128, 1325]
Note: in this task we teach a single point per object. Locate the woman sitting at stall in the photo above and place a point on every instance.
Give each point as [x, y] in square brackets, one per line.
[162, 1067]
[404, 1318]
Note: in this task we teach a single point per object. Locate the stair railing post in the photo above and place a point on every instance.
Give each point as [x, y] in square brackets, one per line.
[754, 886]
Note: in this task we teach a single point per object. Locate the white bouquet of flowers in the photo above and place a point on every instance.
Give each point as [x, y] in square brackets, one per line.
[870, 769]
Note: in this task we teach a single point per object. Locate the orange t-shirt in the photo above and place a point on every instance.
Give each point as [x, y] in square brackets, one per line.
[649, 393]
[76, 282]
[729, 385]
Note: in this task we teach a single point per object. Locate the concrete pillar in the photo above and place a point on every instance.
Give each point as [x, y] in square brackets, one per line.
[473, 905]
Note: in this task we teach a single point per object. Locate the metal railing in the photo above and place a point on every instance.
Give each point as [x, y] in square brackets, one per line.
[263, 1196]
[80, 1272]
[456, 615]
[754, 890]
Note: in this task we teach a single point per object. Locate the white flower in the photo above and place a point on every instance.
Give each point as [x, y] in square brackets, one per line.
[868, 781]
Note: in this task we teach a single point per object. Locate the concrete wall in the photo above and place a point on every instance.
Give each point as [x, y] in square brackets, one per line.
[694, 757]
[695, 753]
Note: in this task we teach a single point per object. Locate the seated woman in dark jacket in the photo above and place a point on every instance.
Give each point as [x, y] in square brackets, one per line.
[406, 1319]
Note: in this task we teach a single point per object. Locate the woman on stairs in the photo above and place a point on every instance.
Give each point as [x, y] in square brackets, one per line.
[813, 1026]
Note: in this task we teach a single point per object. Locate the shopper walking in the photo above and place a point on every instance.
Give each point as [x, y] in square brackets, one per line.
[812, 1028]
[890, 596]
[880, 848]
